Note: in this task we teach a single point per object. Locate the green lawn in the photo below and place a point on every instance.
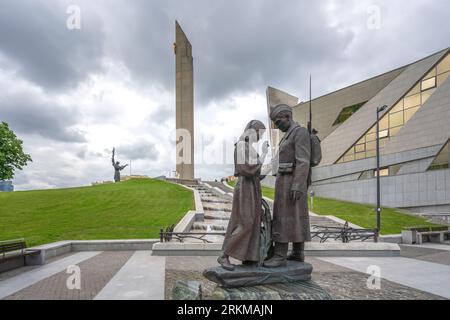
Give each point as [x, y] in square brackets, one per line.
[128, 210]
[267, 192]
[392, 221]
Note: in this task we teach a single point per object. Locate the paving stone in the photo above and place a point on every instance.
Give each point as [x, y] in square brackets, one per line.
[95, 274]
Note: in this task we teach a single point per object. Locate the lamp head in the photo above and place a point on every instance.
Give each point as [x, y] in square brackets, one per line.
[381, 109]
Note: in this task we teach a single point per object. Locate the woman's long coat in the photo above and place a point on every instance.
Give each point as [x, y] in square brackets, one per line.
[242, 240]
[291, 219]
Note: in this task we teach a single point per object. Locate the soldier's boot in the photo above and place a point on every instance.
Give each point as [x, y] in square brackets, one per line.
[224, 261]
[279, 257]
[298, 252]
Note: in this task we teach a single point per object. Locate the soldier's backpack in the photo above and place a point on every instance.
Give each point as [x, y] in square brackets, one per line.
[316, 150]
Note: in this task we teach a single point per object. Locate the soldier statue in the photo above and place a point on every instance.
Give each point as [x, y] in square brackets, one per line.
[290, 211]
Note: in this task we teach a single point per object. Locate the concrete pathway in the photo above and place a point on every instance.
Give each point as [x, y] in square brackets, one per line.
[21, 281]
[141, 278]
[421, 275]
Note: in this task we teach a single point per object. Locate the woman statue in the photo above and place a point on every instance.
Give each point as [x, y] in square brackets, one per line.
[243, 236]
[117, 167]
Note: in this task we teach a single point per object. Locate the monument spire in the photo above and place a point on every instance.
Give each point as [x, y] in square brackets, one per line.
[184, 104]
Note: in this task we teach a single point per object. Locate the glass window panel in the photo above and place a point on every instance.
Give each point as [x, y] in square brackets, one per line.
[371, 145]
[350, 152]
[441, 78]
[426, 95]
[384, 134]
[393, 170]
[360, 147]
[362, 140]
[347, 112]
[443, 156]
[397, 107]
[429, 83]
[409, 113]
[394, 131]
[383, 142]
[396, 119]
[430, 74]
[412, 101]
[414, 90]
[360, 155]
[371, 137]
[366, 175]
[444, 65]
[349, 157]
[383, 172]
[372, 130]
[371, 153]
[442, 159]
[384, 123]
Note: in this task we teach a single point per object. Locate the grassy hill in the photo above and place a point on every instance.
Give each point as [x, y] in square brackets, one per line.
[128, 210]
[364, 215]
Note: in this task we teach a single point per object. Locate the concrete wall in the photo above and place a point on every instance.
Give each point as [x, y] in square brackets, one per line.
[430, 188]
[343, 169]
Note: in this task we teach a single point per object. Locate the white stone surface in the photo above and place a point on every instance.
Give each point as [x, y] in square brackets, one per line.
[429, 245]
[21, 281]
[426, 276]
[141, 278]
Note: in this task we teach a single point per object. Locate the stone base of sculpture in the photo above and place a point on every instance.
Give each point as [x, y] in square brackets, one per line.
[247, 276]
[300, 290]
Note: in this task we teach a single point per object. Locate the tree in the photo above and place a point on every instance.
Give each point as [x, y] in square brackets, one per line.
[12, 156]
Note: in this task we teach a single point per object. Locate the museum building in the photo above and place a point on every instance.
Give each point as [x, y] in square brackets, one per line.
[414, 137]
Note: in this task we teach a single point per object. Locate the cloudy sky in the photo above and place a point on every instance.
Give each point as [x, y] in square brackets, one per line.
[74, 94]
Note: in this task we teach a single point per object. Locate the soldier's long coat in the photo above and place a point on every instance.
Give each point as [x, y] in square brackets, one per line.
[291, 219]
[243, 236]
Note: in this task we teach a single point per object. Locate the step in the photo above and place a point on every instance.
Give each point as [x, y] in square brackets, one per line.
[210, 225]
[217, 215]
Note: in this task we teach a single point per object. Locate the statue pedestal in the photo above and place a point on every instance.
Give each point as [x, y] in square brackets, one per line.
[300, 290]
[247, 276]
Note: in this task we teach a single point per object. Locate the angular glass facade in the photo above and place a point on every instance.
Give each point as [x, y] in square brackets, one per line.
[394, 120]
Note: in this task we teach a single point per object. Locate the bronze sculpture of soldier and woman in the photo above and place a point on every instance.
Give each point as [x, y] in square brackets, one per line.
[290, 222]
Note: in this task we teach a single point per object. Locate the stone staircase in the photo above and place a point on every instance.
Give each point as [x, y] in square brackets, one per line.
[217, 212]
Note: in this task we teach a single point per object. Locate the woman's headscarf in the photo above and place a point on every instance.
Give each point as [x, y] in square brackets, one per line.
[251, 129]
[245, 153]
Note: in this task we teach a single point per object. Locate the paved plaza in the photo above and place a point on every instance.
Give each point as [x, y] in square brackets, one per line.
[423, 272]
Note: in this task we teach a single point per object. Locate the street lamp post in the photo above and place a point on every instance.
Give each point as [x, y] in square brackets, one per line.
[379, 110]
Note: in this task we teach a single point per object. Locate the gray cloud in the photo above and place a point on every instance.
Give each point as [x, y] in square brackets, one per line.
[237, 46]
[29, 114]
[34, 37]
[140, 150]
[162, 115]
